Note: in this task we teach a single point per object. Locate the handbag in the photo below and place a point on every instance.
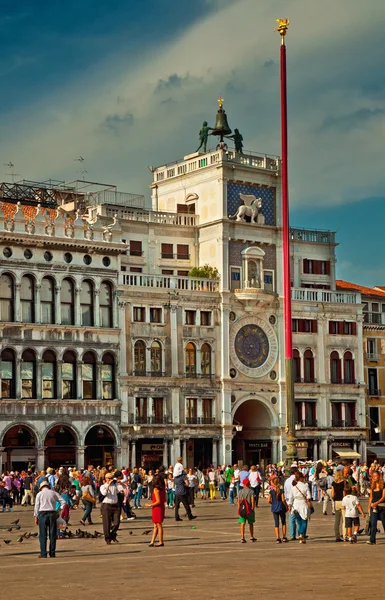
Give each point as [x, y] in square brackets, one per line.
[308, 502]
[88, 497]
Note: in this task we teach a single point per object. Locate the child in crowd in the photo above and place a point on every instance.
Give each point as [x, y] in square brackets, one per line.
[232, 489]
[279, 509]
[352, 508]
[170, 490]
[246, 506]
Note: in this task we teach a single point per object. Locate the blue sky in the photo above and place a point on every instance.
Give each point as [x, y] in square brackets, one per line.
[127, 84]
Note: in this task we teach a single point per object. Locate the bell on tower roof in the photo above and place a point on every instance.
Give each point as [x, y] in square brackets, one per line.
[221, 127]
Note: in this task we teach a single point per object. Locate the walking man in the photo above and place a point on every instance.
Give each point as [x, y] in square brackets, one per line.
[28, 489]
[110, 507]
[181, 487]
[45, 514]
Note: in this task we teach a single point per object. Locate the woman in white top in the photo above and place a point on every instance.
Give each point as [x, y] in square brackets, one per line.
[298, 504]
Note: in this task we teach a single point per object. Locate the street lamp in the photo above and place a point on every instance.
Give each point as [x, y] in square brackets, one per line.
[136, 427]
[237, 425]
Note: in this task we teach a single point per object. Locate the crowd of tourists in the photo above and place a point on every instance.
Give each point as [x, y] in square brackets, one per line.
[56, 493]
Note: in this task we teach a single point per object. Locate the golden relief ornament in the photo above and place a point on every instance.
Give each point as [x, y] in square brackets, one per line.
[253, 346]
[282, 28]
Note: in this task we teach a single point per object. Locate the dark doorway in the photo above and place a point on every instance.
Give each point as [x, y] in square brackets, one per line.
[100, 444]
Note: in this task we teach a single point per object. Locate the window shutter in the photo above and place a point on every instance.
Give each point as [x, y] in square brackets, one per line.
[327, 267]
[305, 265]
[354, 328]
[340, 327]
[314, 326]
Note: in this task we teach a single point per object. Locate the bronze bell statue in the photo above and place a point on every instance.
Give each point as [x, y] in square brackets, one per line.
[221, 126]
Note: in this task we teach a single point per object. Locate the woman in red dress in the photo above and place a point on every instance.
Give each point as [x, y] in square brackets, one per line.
[158, 501]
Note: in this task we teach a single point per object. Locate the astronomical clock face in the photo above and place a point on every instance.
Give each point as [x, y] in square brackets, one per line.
[253, 346]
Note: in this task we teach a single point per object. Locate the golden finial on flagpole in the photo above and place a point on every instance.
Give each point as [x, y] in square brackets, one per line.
[220, 101]
[283, 25]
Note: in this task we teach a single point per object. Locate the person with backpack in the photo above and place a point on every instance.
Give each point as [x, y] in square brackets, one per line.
[246, 507]
[279, 509]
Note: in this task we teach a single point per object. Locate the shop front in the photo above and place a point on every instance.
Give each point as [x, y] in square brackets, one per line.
[257, 452]
[150, 453]
[345, 450]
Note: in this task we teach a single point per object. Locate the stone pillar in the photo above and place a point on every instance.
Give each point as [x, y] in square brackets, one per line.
[220, 452]
[18, 377]
[125, 451]
[79, 380]
[1, 459]
[215, 453]
[40, 462]
[17, 314]
[174, 340]
[355, 444]
[315, 450]
[324, 449]
[225, 342]
[275, 442]
[118, 457]
[175, 408]
[99, 387]
[200, 409]
[175, 450]
[39, 388]
[122, 338]
[97, 318]
[78, 317]
[227, 440]
[37, 304]
[150, 409]
[363, 451]
[321, 373]
[59, 381]
[80, 457]
[184, 453]
[57, 309]
[165, 452]
[333, 273]
[359, 362]
[133, 454]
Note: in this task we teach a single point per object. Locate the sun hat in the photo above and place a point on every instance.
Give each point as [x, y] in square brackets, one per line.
[44, 483]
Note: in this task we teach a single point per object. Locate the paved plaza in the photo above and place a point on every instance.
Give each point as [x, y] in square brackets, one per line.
[202, 559]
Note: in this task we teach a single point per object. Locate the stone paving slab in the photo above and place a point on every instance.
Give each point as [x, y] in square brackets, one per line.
[206, 562]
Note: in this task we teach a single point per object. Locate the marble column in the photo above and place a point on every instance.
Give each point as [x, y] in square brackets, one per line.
[133, 454]
[184, 453]
[215, 453]
[37, 304]
[165, 452]
[174, 340]
[79, 380]
[39, 388]
[80, 450]
[59, 380]
[97, 318]
[315, 450]
[324, 449]
[57, 305]
[18, 377]
[125, 451]
[40, 462]
[1, 459]
[118, 457]
[78, 317]
[122, 338]
[99, 386]
[17, 314]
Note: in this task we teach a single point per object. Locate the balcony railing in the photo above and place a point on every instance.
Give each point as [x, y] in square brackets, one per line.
[374, 392]
[307, 423]
[149, 373]
[374, 318]
[135, 252]
[312, 235]
[343, 381]
[152, 420]
[200, 420]
[170, 255]
[372, 357]
[199, 375]
[342, 424]
[191, 284]
[312, 295]
[305, 380]
[154, 216]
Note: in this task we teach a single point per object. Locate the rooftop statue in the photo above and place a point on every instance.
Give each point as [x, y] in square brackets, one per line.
[250, 208]
[203, 136]
[238, 140]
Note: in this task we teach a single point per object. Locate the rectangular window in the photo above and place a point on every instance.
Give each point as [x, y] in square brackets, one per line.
[141, 410]
[136, 270]
[26, 311]
[47, 375]
[268, 280]
[167, 251]
[68, 381]
[350, 414]
[333, 327]
[135, 248]
[47, 312]
[191, 410]
[182, 273]
[294, 325]
[167, 272]
[158, 410]
[205, 318]
[207, 410]
[139, 314]
[183, 251]
[371, 346]
[107, 389]
[190, 317]
[373, 382]
[342, 328]
[155, 315]
[6, 376]
[88, 381]
[348, 328]
[27, 379]
[235, 274]
[337, 414]
[304, 325]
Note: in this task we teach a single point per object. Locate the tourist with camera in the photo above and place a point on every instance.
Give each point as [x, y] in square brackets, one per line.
[110, 507]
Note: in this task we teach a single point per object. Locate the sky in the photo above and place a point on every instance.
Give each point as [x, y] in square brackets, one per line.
[127, 84]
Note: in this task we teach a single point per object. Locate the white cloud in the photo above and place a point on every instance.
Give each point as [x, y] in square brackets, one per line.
[116, 120]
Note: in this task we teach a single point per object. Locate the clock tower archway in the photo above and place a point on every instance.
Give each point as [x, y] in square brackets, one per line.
[257, 442]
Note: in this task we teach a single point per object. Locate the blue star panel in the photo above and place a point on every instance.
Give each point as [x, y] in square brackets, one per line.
[267, 195]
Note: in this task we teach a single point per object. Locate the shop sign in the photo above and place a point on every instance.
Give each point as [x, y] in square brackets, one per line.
[152, 447]
[257, 445]
[302, 444]
[342, 444]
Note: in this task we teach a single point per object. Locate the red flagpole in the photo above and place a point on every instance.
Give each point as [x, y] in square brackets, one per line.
[291, 452]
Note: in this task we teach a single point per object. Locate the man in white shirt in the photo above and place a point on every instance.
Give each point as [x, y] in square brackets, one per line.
[287, 491]
[45, 516]
[110, 508]
[178, 467]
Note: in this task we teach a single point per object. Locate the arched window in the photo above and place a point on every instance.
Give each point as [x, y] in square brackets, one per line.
[67, 302]
[47, 300]
[140, 358]
[87, 303]
[27, 297]
[108, 377]
[335, 367]
[7, 374]
[348, 368]
[156, 357]
[89, 376]
[190, 358]
[6, 298]
[48, 374]
[69, 376]
[308, 359]
[297, 366]
[28, 374]
[106, 305]
[206, 360]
